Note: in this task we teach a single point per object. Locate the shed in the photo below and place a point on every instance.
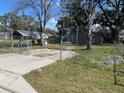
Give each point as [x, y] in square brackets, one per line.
[4, 35]
[33, 36]
[26, 34]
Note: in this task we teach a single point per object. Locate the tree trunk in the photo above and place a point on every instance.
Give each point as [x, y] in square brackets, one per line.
[89, 43]
[114, 34]
[44, 23]
[41, 43]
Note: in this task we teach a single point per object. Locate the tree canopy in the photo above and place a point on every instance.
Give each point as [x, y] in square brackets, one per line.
[107, 13]
[15, 22]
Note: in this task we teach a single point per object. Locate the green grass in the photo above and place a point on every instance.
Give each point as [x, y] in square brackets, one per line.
[5, 47]
[5, 43]
[4, 50]
[77, 75]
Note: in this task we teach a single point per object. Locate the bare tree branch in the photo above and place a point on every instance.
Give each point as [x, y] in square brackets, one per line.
[39, 7]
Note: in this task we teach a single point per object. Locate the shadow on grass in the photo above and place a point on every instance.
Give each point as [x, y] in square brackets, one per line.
[80, 49]
[119, 84]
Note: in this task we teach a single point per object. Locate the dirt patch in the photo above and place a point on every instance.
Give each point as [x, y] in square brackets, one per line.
[43, 55]
[96, 90]
[109, 61]
[41, 52]
[49, 53]
[87, 77]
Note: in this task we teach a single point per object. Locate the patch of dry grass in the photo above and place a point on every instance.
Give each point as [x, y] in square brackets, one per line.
[77, 76]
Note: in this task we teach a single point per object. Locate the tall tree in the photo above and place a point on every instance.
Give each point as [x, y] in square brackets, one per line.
[25, 22]
[40, 8]
[90, 9]
[9, 21]
[83, 13]
[74, 13]
[112, 15]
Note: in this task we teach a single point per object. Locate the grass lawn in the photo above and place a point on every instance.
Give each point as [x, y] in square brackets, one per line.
[77, 76]
[5, 47]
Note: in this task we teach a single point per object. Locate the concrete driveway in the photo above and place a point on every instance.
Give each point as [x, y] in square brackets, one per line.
[13, 66]
[14, 83]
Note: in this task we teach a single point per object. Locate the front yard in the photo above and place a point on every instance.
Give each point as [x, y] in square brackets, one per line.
[78, 75]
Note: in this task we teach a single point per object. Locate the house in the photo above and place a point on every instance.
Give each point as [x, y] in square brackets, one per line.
[33, 36]
[18, 34]
[121, 36]
[29, 34]
[5, 35]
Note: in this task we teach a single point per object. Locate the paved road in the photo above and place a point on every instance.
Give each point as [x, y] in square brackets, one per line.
[13, 66]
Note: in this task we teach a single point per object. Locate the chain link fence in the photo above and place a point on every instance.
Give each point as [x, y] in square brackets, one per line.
[118, 68]
[9, 44]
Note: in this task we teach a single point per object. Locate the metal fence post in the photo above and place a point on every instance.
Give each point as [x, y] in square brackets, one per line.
[114, 71]
[12, 42]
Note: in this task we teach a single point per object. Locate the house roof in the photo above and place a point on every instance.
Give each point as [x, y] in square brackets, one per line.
[25, 33]
[32, 34]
